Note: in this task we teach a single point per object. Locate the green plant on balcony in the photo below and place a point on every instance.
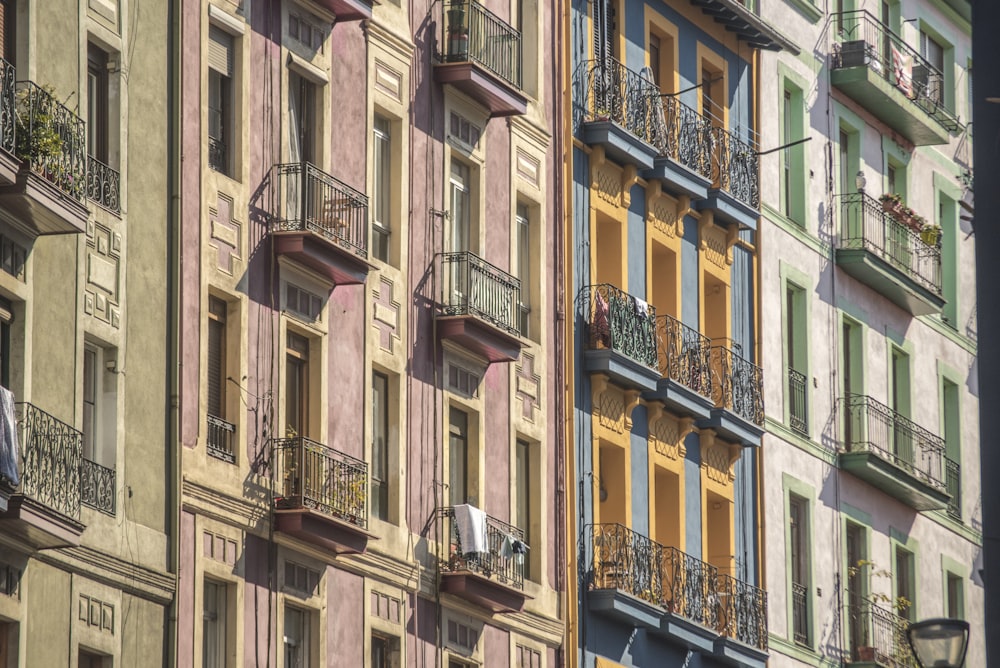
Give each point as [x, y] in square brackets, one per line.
[893, 204]
[38, 138]
[899, 605]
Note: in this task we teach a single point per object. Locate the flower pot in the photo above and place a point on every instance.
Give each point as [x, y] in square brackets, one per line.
[866, 653]
[930, 236]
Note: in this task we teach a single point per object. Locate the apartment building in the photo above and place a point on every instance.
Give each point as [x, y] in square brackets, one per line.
[667, 400]
[84, 569]
[366, 412]
[871, 455]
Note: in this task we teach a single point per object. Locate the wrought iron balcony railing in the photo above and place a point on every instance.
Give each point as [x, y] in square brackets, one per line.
[627, 561]
[219, 442]
[51, 452]
[866, 225]
[869, 42]
[310, 475]
[873, 427]
[618, 321]
[800, 614]
[684, 135]
[737, 385]
[736, 167]
[472, 33]
[8, 108]
[880, 637]
[743, 612]
[496, 563]
[953, 483]
[616, 93]
[798, 409]
[684, 355]
[689, 587]
[51, 139]
[103, 185]
[473, 286]
[97, 486]
[307, 199]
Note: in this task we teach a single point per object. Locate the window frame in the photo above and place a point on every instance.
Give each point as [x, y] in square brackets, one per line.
[220, 105]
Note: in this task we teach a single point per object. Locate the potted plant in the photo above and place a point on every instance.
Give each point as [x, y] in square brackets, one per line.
[931, 234]
[891, 201]
[865, 650]
[458, 33]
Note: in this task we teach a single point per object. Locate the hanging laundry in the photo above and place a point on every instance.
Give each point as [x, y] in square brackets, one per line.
[9, 473]
[471, 524]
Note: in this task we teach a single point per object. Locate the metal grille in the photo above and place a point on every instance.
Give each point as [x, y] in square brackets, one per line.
[618, 321]
[308, 474]
[97, 486]
[685, 355]
[685, 136]
[798, 416]
[473, 33]
[736, 167]
[616, 93]
[800, 614]
[743, 612]
[221, 435]
[103, 185]
[953, 483]
[51, 452]
[473, 286]
[737, 385]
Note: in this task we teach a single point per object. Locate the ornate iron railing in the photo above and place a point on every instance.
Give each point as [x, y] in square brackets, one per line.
[868, 42]
[308, 474]
[308, 199]
[97, 486]
[873, 427]
[684, 135]
[866, 225]
[742, 612]
[627, 561]
[220, 440]
[8, 108]
[736, 167]
[953, 483]
[798, 408]
[472, 33]
[618, 321]
[881, 637]
[800, 614]
[51, 139]
[616, 93]
[499, 562]
[684, 355]
[737, 385]
[472, 286]
[103, 184]
[51, 452]
[689, 587]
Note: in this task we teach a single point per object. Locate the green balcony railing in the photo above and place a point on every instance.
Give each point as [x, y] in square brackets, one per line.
[622, 323]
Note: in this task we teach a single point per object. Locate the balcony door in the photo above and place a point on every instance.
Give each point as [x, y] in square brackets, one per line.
[302, 133]
[857, 631]
[459, 231]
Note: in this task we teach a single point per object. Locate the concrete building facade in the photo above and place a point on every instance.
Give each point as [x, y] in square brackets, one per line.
[366, 298]
[84, 553]
[868, 276]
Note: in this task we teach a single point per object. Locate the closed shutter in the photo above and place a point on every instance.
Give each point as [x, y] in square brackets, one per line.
[220, 51]
[216, 357]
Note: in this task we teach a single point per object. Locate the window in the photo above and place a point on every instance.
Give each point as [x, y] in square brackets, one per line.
[796, 359]
[306, 32]
[214, 627]
[524, 268]
[297, 638]
[99, 405]
[798, 542]
[8, 25]
[857, 554]
[458, 456]
[88, 659]
[220, 431]
[300, 580]
[793, 158]
[933, 82]
[221, 116]
[90, 394]
[380, 446]
[954, 597]
[381, 188]
[302, 126]
[97, 103]
[654, 59]
[905, 584]
[713, 95]
[297, 386]
[527, 657]
[947, 219]
[385, 651]
[951, 430]
[522, 495]
[461, 207]
[307, 305]
[8, 640]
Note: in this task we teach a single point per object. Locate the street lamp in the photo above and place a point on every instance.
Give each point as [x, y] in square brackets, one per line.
[939, 643]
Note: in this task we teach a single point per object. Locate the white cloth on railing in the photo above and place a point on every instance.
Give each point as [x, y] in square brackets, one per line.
[902, 70]
[8, 439]
[641, 307]
[471, 524]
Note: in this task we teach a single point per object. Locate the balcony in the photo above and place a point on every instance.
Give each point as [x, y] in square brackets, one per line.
[620, 337]
[893, 454]
[346, 10]
[742, 623]
[953, 485]
[479, 307]
[625, 580]
[685, 366]
[735, 193]
[621, 113]
[684, 142]
[220, 439]
[493, 579]
[97, 486]
[44, 510]
[103, 185]
[319, 222]
[798, 408]
[886, 255]
[738, 394]
[320, 495]
[878, 638]
[46, 195]
[877, 69]
[480, 55]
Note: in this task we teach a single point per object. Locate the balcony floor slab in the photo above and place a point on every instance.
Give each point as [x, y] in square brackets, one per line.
[500, 97]
[490, 594]
[680, 399]
[479, 337]
[729, 209]
[882, 276]
[894, 480]
[625, 608]
[325, 531]
[731, 427]
[36, 206]
[347, 10]
[327, 258]
[678, 179]
[620, 144]
[621, 369]
[36, 526]
[686, 632]
[735, 653]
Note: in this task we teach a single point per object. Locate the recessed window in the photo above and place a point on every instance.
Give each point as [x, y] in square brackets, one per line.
[458, 456]
[524, 268]
[220, 100]
[306, 32]
[97, 103]
[297, 638]
[464, 130]
[303, 127]
[296, 386]
[798, 543]
[303, 303]
[382, 187]
[301, 579]
[384, 651]
[214, 626]
[380, 446]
